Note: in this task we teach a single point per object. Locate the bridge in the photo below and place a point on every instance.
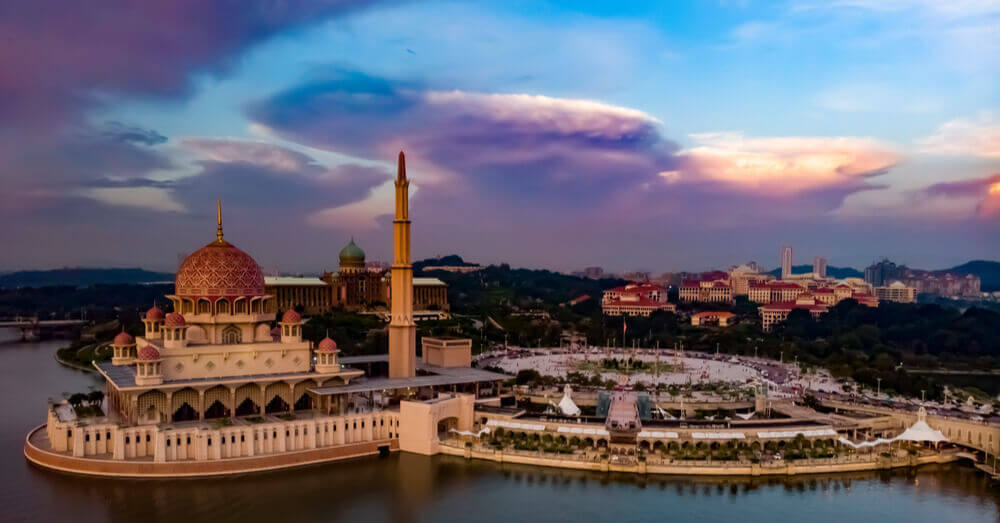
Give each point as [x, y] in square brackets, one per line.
[31, 327]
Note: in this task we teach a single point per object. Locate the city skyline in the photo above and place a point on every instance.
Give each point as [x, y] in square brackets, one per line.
[676, 137]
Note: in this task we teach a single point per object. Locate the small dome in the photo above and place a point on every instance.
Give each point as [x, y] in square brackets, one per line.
[276, 331]
[174, 320]
[352, 253]
[148, 353]
[124, 338]
[327, 345]
[155, 313]
[291, 316]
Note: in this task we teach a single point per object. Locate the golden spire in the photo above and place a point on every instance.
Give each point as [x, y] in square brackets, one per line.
[401, 171]
[218, 230]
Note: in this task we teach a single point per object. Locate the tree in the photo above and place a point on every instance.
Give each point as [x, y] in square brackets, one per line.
[77, 399]
[95, 397]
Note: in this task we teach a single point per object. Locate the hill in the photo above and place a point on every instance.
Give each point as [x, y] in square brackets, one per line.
[81, 277]
[833, 272]
[988, 272]
[452, 260]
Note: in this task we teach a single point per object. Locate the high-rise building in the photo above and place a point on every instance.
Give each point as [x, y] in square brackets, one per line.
[786, 261]
[881, 273]
[819, 267]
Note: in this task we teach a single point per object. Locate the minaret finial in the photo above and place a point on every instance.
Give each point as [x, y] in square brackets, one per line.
[401, 171]
[218, 230]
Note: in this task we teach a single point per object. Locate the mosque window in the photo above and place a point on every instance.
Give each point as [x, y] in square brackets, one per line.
[243, 438]
[86, 437]
[168, 442]
[209, 442]
[69, 433]
[178, 441]
[147, 438]
[232, 439]
[98, 436]
[108, 435]
[127, 440]
[189, 440]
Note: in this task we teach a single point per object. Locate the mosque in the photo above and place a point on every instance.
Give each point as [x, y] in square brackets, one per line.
[221, 384]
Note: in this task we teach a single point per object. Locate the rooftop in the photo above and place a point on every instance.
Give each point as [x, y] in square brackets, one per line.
[440, 376]
[123, 376]
[292, 280]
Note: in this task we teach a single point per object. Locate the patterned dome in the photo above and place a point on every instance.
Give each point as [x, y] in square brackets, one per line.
[174, 320]
[327, 345]
[124, 338]
[155, 313]
[219, 270]
[291, 316]
[148, 353]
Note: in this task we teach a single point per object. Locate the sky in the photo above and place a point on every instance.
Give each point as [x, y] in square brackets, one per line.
[658, 136]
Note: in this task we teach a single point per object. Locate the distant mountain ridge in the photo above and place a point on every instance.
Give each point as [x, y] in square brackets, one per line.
[80, 277]
[833, 272]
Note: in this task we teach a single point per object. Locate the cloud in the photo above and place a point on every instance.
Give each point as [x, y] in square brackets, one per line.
[517, 160]
[153, 198]
[785, 166]
[981, 194]
[977, 137]
[117, 131]
[60, 63]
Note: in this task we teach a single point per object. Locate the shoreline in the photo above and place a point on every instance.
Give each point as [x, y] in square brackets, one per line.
[739, 470]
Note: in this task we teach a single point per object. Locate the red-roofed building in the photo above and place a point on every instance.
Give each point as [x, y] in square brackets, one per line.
[636, 299]
[711, 287]
[774, 291]
[777, 312]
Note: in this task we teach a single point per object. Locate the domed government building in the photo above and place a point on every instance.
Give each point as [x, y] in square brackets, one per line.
[222, 380]
[356, 286]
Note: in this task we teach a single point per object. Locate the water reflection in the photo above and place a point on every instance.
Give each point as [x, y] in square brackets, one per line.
[409, 488]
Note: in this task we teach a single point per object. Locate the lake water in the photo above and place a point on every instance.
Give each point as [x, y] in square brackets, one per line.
[444, 489]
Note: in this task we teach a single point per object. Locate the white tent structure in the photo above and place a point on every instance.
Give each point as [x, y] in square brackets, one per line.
[566, 404]
[919, 431]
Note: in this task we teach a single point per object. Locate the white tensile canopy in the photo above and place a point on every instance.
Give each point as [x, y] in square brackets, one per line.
[919, 431]
[566, 404]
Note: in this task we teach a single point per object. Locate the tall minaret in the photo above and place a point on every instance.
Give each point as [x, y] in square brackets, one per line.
[402, 330]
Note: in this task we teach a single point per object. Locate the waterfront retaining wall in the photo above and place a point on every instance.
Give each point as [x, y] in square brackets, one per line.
[218, 467]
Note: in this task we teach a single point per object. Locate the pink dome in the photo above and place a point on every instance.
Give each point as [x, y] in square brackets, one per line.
[124, 338]
[174, 320]
[276, 331]
[219, 270]
[155, 313]
[327, 345]
[291, 316]
[148, 353]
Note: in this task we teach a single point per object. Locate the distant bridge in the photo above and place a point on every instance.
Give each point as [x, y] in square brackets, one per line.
[31, 327]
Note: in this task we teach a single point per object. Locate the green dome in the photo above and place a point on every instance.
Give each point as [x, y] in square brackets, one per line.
[352, 253]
